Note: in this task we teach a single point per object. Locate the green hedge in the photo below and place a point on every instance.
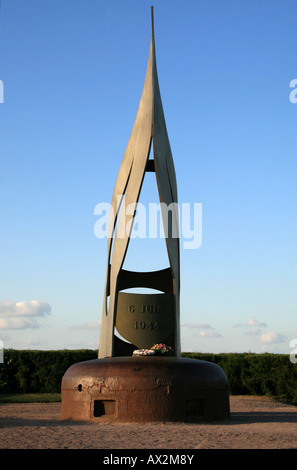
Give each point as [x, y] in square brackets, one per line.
[257, 374]
[32, 371]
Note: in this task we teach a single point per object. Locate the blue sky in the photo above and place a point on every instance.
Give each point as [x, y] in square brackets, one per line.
[73, 73]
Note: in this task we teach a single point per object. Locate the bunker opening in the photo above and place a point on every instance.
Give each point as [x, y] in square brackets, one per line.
[104, 408]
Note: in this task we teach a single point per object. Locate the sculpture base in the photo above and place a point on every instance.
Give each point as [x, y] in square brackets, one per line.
[145, 389]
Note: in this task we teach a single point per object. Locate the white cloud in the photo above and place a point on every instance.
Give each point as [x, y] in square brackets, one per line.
[87, 326]
[196, 325]
[253, 331]
[28, 343]
[17, 323]
[272, 338]
[18, 315]
[201, 326]
[208, 334]
[252, 322]
[8, 308]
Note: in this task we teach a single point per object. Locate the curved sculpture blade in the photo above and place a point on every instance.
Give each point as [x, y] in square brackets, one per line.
[149, 126]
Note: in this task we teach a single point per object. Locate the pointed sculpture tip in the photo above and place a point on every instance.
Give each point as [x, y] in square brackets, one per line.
[152, 20]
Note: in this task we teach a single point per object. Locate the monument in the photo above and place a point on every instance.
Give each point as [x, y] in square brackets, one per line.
[129, 381]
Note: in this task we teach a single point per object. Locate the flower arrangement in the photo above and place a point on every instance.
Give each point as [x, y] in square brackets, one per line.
[156, 350]
[162, 350]
[143, 352]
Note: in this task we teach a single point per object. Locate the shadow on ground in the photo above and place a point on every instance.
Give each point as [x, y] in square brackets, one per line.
[235, 419]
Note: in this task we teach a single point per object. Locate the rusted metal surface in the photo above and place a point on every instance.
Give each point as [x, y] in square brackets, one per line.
[145, 389]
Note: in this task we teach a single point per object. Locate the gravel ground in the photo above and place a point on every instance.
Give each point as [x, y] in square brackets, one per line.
[255, 423]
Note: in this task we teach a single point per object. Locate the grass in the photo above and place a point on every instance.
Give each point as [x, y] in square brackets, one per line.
[30, 398]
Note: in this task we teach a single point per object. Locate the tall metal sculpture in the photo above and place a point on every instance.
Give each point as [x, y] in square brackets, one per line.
[120, 386]
[143, 319]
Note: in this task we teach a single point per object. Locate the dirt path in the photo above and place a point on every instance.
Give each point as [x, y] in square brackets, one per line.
[255, 423]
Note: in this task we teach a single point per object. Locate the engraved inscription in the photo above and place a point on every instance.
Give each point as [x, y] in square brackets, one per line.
[146, 309]
[145, 319]
[150, 325]
[152, 309]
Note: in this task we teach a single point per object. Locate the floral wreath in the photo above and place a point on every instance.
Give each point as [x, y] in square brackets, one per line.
[159, 349]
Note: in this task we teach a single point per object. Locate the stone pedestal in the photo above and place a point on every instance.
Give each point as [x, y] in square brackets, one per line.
[145, 389]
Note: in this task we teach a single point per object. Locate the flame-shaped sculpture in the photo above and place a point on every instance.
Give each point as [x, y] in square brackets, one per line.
[143, 319]
[136, 388]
